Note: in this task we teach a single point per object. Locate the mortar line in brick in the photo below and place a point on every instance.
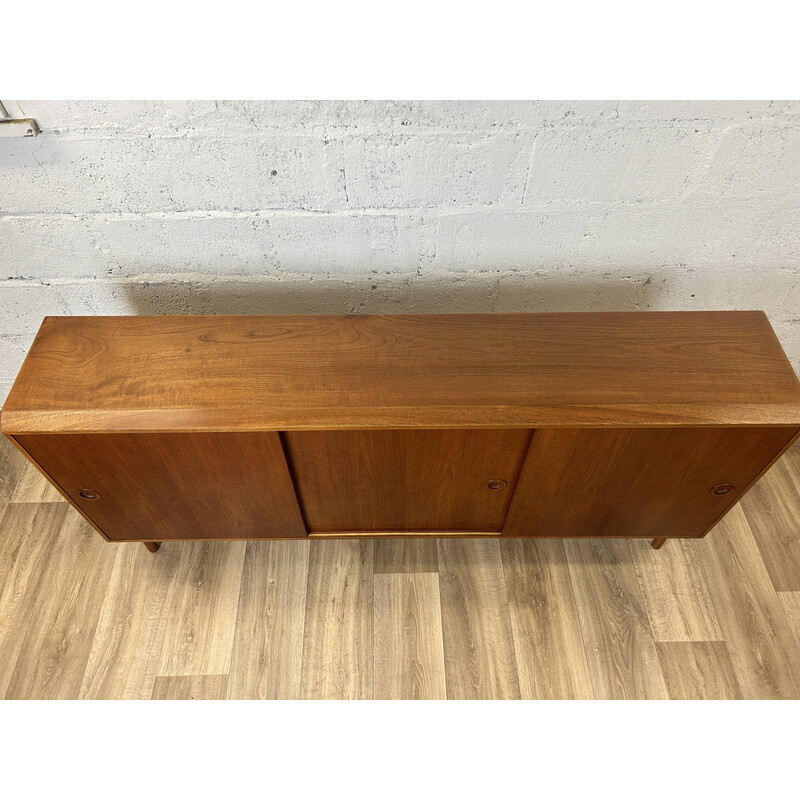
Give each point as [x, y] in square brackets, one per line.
[697, 202]
[396, 128]
[632, 274]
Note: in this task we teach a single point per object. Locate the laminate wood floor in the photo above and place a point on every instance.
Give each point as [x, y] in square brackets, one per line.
[420, 618]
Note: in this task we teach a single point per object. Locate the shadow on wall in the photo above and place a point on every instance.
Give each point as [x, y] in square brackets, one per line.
[393, 295]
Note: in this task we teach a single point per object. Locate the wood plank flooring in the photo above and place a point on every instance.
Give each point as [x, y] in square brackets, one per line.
[716, 618]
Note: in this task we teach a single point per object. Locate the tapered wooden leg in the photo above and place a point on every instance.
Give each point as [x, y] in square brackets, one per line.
[153, 546]
[658, 542]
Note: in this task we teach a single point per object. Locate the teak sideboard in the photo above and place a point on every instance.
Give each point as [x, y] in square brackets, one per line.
[641, 424]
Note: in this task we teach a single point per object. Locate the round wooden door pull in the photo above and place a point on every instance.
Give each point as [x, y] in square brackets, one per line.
[88, 494]
[497, 484]
[722, 488]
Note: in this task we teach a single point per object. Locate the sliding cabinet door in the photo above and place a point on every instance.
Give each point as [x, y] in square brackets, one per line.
[162, 486]
[406, 481]
[637, 482]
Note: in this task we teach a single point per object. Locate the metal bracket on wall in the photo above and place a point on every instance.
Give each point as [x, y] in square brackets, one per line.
[16, 126]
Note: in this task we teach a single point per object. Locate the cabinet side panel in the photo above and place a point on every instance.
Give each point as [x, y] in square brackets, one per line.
[636, 482]
[165, 486]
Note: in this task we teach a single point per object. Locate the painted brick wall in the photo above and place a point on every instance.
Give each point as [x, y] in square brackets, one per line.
[312, 207]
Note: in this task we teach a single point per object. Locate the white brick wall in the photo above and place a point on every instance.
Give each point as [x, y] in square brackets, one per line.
[204, 207]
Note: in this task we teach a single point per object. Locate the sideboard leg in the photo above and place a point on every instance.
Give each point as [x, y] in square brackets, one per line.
[153, 546]
[658, 542]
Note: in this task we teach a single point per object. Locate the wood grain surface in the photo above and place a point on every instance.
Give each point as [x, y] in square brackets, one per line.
[24, 561]
[202, 604]
[676, 597]
[550, 653]
[480, 661]
[630, 482]
[12, 465]
[134, 625]
[776, 524]
[405, 480]
[450, 371]
[409, 655]
[268, 648]
[338, 634]
[32, 489]
[67, 607]
[81, 618]
[190, 687]
[622, 657]
[698, 671]
[791, 605]
[748, 610]
[164, 486]
[405, 555]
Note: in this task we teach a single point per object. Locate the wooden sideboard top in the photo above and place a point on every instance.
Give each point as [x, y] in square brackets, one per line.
[424, 371]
